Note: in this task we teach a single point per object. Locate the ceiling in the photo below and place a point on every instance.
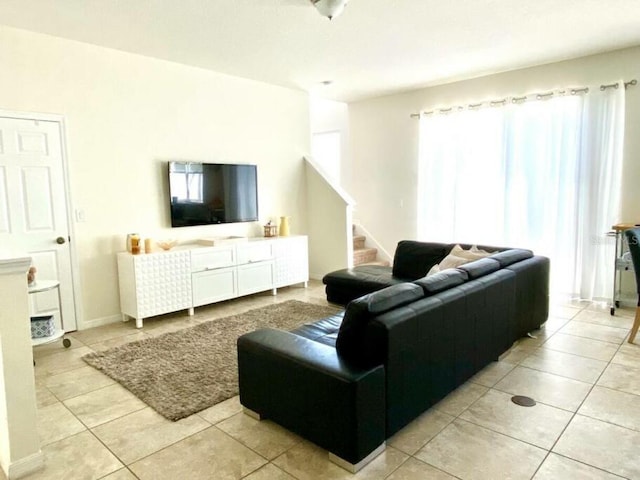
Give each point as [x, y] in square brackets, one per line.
[376, 47]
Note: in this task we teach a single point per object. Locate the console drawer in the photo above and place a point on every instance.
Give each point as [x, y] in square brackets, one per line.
[204, 259]
[254, 252]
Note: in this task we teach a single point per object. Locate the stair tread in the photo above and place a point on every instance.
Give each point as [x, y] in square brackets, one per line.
[364, 255]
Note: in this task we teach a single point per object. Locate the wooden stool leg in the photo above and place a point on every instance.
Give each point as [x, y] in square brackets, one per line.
[636, 324]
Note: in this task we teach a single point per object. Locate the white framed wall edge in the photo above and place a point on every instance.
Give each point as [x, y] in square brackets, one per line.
[24, 466]
[75, 263]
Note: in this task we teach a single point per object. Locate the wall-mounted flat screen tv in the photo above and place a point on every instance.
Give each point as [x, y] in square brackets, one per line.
[212, 193]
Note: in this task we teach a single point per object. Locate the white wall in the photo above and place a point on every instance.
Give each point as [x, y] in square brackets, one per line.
[127, 115]
[330, 220]
[331, 116]
[384, 139]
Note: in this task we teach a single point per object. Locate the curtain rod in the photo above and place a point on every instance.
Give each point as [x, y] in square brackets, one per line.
[522, 99]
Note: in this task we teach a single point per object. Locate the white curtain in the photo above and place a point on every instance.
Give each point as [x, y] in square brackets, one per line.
[542, 174]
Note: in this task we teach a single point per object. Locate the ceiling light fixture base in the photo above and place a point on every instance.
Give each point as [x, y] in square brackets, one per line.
[329, 8]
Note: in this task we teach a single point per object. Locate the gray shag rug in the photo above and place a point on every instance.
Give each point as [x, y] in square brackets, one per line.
[183, 372]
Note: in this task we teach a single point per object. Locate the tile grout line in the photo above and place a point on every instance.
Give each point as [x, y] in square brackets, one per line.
[573, 416]
[411, 455]
[565, 427]
[154, 452]
[457, 417]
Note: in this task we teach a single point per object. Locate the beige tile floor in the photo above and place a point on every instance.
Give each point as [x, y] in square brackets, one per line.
[586, 424]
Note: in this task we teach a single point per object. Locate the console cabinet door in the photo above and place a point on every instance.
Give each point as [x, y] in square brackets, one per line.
[255, 277]
[214, 286]
[162, 282]
[292, 261]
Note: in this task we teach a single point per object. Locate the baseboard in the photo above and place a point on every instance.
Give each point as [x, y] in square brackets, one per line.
[315, 276]
[628, 303]
[98, 322]
[24, 466]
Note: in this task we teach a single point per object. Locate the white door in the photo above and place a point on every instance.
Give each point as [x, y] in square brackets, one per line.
[33, 208]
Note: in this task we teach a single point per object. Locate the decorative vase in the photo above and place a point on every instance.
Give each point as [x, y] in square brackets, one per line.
[284, 226]
[129, 237]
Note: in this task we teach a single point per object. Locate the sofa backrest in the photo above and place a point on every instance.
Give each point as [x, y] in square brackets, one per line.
[350, 342]
[511, 256]
[479, 268]
[412, 259]
[442, 280]
[436, 343]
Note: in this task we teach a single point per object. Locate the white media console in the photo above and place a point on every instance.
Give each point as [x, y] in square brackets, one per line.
[193, 275]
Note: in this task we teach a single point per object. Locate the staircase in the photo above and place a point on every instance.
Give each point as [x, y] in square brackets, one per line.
[363, 255]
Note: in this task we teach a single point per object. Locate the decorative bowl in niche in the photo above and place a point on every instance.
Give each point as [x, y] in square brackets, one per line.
[166, 244]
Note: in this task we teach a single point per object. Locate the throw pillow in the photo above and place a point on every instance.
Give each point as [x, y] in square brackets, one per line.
[457, 257]
[478, 251]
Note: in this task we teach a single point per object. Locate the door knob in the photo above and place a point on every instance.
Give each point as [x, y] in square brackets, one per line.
[60, 240]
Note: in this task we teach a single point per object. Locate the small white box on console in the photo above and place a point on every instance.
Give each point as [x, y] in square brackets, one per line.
[214, 241]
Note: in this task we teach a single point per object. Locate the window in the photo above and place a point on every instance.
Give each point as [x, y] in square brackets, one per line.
[543, 175]
[186, 182]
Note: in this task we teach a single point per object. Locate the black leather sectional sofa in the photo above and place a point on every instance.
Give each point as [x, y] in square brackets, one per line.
[350, 381]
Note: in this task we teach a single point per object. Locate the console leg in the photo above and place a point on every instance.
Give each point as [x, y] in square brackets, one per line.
[355, 467]
[139, 322]
[306, 284]
[191, 312]
[125, 317]
[274, 291]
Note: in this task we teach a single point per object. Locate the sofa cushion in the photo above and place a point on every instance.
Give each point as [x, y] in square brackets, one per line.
[368, 276]
[443, 280]
[323, 331]
[392, 297]
[412, 260]
[511, 256]
[480, 268]
[361, 310]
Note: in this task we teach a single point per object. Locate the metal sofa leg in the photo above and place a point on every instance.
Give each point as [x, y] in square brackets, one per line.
[354, 468]
[251, 413]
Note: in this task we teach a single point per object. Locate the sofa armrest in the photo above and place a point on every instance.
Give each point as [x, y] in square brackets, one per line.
[307, 388]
